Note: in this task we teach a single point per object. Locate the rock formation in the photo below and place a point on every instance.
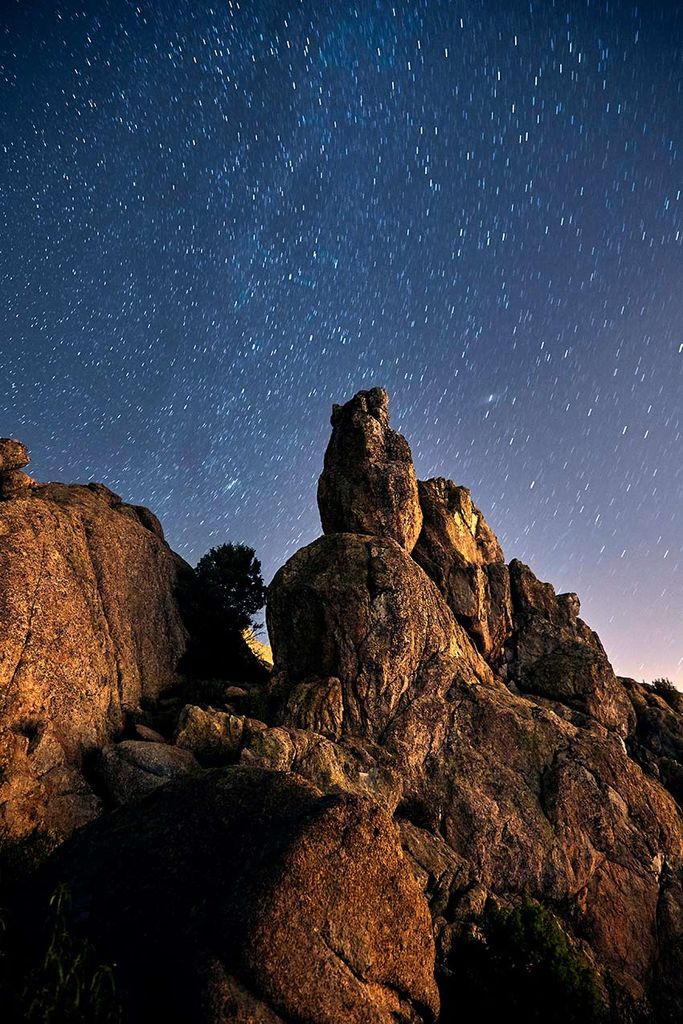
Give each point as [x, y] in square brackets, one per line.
[368, 484]
[554, 654]
[416, 676]
[247, 895]
[14, 457]
[382, 633]
[460, 552]
[512, 781]
[656, 742]
[89, 629]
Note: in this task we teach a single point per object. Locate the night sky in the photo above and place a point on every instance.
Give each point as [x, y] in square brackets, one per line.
[220, 218]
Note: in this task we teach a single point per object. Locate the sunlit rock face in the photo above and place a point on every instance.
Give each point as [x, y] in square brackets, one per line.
[89, 628]
[460, 552]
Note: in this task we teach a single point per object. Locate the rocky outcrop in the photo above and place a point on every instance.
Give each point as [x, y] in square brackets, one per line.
[458, 694]
[554, 654]
[506, 782]
[247, 895]
[368, 484]
[386, 645]
[528, 633]
[13, 455]
[656, 742]
[14, 483]
[89, 628]
[460, 553]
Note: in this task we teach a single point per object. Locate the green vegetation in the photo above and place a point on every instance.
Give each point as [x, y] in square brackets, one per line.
[669, 692]
[69, 987]
[520, 966]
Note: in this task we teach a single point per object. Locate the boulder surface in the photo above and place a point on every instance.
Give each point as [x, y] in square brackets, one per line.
[359, 610]
[248, 895]
[89, 628]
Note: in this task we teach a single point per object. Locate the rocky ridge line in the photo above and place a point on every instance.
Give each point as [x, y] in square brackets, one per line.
[416, 673]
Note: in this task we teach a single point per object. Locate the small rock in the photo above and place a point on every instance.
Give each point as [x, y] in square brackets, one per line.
[134, 768]
[271, 748]
[150, 735]
[235, 693]
[214, 737]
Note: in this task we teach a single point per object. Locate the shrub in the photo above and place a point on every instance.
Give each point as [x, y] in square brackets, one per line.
[669, 692]
[520, 967]
[69, 985]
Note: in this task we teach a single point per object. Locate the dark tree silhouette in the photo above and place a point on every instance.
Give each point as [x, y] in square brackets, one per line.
[229, 578]
[219, 600]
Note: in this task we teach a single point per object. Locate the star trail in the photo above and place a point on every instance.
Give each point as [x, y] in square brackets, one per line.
[220, 218]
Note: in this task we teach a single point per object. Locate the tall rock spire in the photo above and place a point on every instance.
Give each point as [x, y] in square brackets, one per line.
[368, 484]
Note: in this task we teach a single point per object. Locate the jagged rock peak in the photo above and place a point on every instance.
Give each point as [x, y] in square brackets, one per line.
[450, 507]
[368, 484]
[460, 552]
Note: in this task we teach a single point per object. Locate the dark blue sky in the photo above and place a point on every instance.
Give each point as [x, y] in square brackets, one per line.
[220, 218]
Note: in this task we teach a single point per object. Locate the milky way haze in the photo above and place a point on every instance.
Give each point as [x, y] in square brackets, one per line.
[221, 218]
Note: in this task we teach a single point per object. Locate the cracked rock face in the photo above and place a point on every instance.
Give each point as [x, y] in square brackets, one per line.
[269, 902]
[459, 551]
[509, 777]
[368, 484]
[89, 627]
[358, 611]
